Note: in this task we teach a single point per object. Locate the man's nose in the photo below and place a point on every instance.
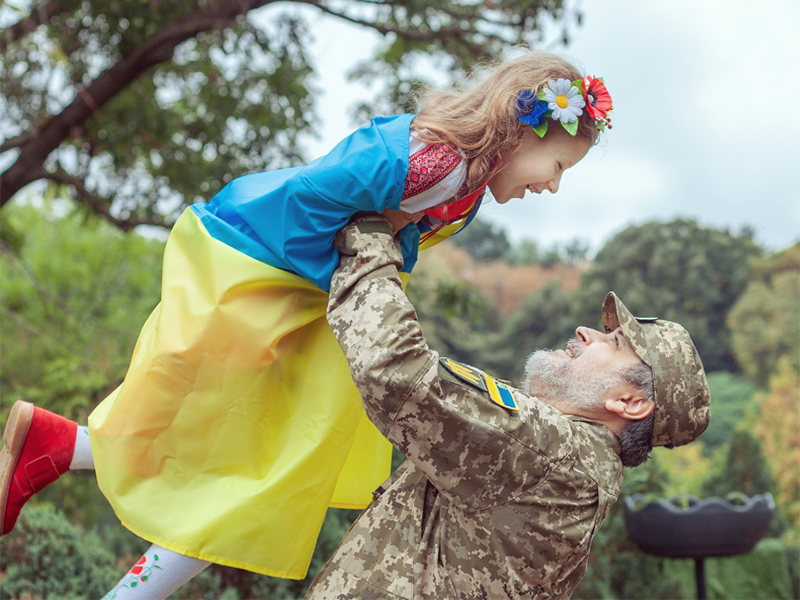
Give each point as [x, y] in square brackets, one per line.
[587, 336]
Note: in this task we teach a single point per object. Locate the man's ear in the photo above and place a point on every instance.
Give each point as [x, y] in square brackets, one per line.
[629, 404]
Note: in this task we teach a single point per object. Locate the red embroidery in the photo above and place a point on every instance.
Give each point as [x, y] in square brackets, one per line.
[428, 167]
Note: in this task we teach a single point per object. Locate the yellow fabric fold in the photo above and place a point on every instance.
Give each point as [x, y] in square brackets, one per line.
[237, 424]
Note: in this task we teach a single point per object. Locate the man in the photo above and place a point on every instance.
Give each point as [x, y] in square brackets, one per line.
[504, 488]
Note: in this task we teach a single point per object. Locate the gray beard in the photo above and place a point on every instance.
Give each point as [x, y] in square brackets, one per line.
[552, 379]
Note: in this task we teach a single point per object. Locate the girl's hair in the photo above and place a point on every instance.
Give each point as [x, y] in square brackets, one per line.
[482, 121]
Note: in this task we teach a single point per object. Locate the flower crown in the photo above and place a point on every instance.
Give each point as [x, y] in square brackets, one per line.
[564, 100]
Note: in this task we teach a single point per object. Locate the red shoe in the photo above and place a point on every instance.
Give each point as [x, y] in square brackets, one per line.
[37, 449]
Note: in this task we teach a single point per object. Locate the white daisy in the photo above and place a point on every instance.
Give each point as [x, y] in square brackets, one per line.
[564, 99]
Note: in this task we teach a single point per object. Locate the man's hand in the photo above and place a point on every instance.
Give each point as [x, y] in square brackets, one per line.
[400, 219]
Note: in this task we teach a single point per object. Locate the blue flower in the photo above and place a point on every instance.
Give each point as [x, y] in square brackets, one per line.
[530, 109]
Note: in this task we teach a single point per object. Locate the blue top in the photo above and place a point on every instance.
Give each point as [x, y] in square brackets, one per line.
[288, 218]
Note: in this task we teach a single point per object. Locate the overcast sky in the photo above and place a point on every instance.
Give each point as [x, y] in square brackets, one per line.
[706, 124]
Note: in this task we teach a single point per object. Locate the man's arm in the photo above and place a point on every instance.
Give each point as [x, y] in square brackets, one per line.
[373, 320]
[473, 450]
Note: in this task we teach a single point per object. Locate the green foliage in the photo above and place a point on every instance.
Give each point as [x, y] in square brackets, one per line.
[617, 569]
[778, 428]
[765, 322]
[48, 557]
[483, 240]
[745, 469]
[75, 294]
[543, 321]
[677, 271]
[457, 318]
[526, 252]
[731, 400]
[763, 574]
[686, 469]
[575, 251]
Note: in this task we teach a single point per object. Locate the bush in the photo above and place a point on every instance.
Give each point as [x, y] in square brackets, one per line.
[762, 574]
[46, 556]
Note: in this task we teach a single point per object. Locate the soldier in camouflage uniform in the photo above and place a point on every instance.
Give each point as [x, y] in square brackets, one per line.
[502, 491]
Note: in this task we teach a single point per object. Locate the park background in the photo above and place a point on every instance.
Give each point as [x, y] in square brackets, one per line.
[689, 209]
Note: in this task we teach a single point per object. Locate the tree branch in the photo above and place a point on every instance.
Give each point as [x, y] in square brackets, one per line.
[111, 82]
[26, 273]
[99, 205]
[18, 141]
[412, 35]
[38, 16]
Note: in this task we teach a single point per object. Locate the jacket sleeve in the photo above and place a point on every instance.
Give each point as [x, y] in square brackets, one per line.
[472, 450]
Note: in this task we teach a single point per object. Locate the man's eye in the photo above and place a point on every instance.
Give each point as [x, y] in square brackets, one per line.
[616, 340]
[560, 167]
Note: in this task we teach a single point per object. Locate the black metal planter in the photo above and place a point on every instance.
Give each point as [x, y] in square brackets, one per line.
[687, 527]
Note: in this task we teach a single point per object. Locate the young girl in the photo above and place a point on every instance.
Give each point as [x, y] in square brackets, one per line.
[237, 424]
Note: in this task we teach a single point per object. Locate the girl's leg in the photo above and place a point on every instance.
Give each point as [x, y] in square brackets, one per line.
[156, 575]
[159, 572]
[82, 454]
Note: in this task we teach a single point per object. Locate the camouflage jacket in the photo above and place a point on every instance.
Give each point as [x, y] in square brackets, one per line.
[501, 495]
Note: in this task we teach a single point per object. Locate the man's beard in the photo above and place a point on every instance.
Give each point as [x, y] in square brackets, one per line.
[553, 379]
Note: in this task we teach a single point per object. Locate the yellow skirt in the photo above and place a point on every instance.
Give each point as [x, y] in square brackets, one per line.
[237, 424]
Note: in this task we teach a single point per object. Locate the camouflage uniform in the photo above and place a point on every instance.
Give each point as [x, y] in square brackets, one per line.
[501, 495]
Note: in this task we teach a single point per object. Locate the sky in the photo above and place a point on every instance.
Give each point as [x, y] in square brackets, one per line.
[704, 125]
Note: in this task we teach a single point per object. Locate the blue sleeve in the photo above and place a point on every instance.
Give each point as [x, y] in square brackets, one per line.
[288, 218]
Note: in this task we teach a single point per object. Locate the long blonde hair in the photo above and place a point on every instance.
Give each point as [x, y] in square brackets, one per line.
[482, 121]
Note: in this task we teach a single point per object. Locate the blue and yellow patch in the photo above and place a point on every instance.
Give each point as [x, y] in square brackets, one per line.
[498, 391]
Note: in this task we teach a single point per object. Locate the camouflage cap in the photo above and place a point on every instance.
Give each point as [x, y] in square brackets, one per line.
[681, 390]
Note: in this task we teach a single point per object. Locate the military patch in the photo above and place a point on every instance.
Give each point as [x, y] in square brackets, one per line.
[465, 373]
[646, 319]
[499, 392]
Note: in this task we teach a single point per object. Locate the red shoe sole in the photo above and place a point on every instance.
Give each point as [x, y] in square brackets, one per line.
[17, 427]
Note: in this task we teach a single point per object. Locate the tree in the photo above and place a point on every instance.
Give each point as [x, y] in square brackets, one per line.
[140, 108]
[527, 252]
[543, 321]
[745, 469]
[617, 568]
[483, 241]
[779, 431]
[46, 556]
[75, 294]
[677, 271]
[765, 321]
[731, 403]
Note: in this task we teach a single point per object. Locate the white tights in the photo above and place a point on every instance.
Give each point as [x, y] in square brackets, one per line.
[159, 572]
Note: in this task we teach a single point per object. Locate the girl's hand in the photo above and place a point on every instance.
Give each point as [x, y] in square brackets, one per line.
[399, 219]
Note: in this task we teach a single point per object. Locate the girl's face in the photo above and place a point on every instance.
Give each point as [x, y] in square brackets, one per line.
[536, 164]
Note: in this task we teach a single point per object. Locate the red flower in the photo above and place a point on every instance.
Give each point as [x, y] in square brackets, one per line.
[598, 100]
[137, 568]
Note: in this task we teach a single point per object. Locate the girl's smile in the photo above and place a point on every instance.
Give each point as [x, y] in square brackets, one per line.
[536, 164]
